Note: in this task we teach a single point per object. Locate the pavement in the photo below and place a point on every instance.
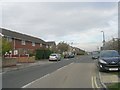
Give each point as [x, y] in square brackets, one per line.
[108, 78]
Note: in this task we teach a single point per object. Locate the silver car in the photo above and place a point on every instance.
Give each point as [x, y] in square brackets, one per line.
[55, 57]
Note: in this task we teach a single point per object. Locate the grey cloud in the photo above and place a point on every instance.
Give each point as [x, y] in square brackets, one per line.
[57, 20]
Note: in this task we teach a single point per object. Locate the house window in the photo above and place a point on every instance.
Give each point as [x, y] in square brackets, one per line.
[15, 52]
[33, 44]
[40, 44]
[23, 42]
[47, 46]
[50, 47]
[9, 39]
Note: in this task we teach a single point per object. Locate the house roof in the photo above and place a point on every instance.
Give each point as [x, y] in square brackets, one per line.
[51, 43]
[78, 49]
[17, 35]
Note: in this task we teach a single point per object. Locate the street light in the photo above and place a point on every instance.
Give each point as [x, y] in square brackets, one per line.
[103, 38]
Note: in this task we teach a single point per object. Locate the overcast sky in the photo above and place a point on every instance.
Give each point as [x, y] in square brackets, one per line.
[77, 22]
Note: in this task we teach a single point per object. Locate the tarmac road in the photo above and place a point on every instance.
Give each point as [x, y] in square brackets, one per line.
[79, 72]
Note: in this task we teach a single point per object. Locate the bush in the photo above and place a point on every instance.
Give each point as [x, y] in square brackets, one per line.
[42, 54]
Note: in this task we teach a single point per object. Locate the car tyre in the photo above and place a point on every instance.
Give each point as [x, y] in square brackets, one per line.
[101, 70]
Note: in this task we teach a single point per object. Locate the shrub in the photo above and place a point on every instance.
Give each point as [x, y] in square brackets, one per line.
[42, 54]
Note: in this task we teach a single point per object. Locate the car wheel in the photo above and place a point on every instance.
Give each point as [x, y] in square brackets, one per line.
[101, 70]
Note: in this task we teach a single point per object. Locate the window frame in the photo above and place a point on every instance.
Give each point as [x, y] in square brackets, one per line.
[23, 42]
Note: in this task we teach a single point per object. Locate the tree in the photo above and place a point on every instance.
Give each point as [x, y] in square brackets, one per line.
[112, 44]
[6, 46]
[62, 47]
[0, 46]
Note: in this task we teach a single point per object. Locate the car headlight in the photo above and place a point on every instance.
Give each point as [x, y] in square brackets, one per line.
[102, 61]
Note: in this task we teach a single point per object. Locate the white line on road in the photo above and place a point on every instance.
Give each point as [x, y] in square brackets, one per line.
[92, 82]
[44, 76]
[35, 81]
[101, 81]
[63, 67]
[2, 73]
[96, 83]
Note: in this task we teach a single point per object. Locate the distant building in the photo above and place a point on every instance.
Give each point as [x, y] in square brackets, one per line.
[76, 50]
[79, 51]
[51, 45]
[22, 43]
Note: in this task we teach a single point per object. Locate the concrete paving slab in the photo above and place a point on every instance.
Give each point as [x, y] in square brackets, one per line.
[110, 78]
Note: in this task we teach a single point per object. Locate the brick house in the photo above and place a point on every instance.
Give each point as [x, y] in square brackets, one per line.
[22, 43]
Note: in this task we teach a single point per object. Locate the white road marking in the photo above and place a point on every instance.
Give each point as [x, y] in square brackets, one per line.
[101, 81]
[96, 83]
[63, 67]
[35, 81]
[92, 82]
[2, 73]
[43, 77]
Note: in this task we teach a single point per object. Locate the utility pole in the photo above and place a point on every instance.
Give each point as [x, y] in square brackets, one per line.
[119, 45]
[103, 39]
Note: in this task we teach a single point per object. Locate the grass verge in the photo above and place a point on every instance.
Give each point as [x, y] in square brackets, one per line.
[115, 86]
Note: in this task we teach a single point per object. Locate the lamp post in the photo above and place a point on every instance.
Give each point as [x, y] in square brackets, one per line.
[103, 38]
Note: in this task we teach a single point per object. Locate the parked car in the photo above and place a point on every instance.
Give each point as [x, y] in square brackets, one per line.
[55, 57]
[69, 56]
[95, 54]
[109, 60]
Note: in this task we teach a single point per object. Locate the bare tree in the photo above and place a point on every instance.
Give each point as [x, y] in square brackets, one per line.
[112, 44]
[62, 47]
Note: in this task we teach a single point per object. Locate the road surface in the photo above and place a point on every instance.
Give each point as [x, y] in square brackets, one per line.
[79, 72]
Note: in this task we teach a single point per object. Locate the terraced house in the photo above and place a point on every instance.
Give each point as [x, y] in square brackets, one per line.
[22, 43]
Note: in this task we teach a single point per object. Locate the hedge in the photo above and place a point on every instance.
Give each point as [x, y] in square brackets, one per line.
[42, 54]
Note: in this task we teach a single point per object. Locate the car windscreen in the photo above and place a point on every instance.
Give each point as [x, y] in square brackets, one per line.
[95, 53]
[109, 54]
[53, 55]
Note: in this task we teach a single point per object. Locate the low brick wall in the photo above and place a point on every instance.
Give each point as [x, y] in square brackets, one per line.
[26, 59]
[7, 62]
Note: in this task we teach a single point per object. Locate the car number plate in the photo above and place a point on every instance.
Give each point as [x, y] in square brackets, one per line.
[113, 69]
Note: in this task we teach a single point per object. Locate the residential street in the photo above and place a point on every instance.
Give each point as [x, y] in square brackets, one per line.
[60, 44]
[79, 72]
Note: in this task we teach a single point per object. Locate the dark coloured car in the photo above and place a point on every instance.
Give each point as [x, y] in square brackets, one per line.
[109, 60]
[69, 56]
[95, 54]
